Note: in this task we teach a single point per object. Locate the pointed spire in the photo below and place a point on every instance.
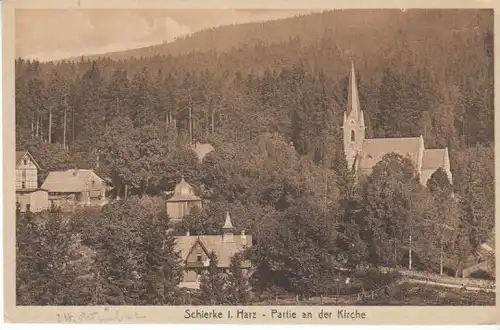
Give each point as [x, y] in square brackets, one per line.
[228, 224]
[353, 97]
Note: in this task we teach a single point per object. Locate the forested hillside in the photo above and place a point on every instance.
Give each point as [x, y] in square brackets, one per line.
[270, 98]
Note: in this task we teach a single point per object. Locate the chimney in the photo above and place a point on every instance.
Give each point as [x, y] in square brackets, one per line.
[243, 238]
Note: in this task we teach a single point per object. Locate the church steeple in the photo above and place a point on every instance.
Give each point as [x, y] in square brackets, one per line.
[354, 121]
[353, 108]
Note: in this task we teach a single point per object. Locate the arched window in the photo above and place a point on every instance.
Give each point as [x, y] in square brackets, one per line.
[353, 136]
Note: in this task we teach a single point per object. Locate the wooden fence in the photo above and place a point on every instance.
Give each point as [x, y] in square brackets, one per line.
[477, 286]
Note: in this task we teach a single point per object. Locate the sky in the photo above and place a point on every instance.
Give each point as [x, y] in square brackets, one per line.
[49, 35]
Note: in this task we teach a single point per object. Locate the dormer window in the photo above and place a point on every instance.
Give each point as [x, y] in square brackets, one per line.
[198, 258]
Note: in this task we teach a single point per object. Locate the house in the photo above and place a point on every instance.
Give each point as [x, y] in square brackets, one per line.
[362, 153]
[195, 251]
[202, 150]
[182, 201]
[484, 260]
[75, 187]
[29, 197]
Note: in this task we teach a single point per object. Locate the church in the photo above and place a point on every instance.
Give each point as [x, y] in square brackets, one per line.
[362, 153]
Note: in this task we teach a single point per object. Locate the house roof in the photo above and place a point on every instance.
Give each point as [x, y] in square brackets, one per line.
[202, 149]
[70, 181]
[489, 244]
[434, 158]
[183, 192]
[21, 154]
[374, 149]
[224, 250]
[183, 198]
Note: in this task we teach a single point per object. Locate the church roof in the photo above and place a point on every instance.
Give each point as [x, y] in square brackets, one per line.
[434, 158]
[374, 149]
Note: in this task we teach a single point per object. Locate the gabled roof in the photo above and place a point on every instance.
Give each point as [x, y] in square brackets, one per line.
[71, 181]
[374, 150]
[20, 155]
[224, 250]
[434, 158]
[184, 192]
[489, 244]
[202, 149]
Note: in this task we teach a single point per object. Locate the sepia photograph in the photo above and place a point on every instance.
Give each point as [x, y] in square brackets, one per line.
[254, 157]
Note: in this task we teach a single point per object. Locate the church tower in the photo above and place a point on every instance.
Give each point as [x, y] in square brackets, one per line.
[354, 122]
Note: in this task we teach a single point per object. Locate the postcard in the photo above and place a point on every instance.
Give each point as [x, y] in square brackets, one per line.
[267, 162]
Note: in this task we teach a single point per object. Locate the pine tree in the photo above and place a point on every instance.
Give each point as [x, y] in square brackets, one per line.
[390, 196]
[162, 269]
[238, 288]
[45, 272]
[212, 283]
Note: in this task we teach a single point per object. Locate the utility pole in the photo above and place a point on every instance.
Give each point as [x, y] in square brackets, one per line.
[326, 189]
[410, 223]
[213, 121]
[50, 125]
[72, 124]
[65, 112]
[441, 256]
[190, 126]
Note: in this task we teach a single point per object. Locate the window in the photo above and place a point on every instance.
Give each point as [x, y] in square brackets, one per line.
[23, 184]
[25, 161]
[353, 136]
[198, 258]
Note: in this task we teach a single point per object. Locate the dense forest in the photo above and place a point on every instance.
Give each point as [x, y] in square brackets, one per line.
[272, 107]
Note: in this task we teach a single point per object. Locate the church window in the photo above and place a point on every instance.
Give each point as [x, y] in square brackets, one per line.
[353, 136]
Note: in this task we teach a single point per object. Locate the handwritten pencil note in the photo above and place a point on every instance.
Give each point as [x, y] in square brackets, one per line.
[104, 316]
